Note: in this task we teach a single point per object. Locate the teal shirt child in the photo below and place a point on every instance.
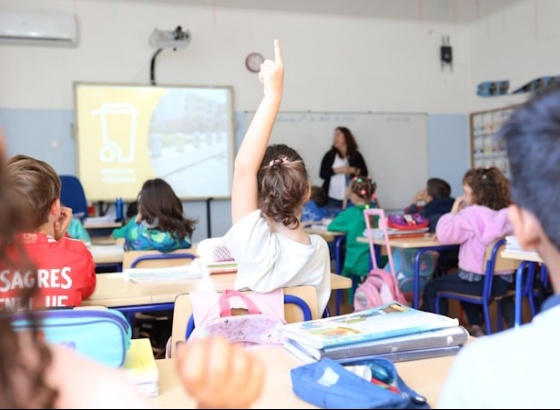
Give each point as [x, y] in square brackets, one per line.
[77, 230]
[121, 232]
[140, 236]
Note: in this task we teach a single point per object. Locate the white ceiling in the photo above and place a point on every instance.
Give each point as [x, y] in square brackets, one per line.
[456, 11]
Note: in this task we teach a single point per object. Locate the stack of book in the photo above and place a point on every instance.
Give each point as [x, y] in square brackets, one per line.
[394, 331]
[512, 245]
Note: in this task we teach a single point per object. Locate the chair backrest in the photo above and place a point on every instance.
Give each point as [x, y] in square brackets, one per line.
[73, 195]
[494, 262]
[157, 259]
[182, 312]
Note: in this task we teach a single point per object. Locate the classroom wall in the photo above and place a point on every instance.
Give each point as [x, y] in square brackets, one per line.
[333, 63]
[517, 44]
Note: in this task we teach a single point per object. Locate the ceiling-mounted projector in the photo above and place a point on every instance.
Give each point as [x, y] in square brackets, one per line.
[177, 38]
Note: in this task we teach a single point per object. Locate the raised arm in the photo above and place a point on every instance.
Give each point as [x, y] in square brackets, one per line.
[252, 149]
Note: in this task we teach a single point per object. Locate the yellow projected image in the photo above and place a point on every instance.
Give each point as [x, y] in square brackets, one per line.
[127, 134]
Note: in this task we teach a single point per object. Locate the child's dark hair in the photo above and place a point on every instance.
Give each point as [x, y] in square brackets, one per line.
[438, 188]
[283, 184]
[532, 137]
[159, 206]
[319, 196]
[489, 186]
[132, 209]
[363, 187]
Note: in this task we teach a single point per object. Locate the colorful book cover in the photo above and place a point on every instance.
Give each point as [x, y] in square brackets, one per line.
[431, 339]
[389, 320]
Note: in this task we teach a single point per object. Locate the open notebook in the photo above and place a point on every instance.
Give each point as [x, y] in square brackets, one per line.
[180, 272]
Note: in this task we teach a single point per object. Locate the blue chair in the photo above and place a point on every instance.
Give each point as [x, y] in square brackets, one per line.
[73, 196]
[494, 262]
[163, 257]
[144, 316]
[156, 259]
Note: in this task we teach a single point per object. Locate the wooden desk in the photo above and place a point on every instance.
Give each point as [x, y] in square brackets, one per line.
[423, 244]
[529, 260]
[277, 392]
[104, 240]
[102, 229]
[101, 225]
[329, 236]
[107, 254]
[522, 256]
[117, 290]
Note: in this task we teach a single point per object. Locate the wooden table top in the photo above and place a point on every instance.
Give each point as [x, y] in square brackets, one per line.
[278, 393]
[116, 289]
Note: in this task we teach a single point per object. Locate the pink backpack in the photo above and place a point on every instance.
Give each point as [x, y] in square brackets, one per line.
[380, 286]
[212, 314]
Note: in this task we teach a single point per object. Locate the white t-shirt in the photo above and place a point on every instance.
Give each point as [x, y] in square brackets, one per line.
[337, 185]
[268, 260]
[512, 369]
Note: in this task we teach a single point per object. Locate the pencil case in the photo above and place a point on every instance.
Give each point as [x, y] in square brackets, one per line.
[362, 384]
[407, 222]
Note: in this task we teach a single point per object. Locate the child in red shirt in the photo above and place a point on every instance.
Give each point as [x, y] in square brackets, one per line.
[66, 270]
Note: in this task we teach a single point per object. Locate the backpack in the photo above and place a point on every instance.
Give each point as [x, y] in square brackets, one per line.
[403, 261]
[213, 316]
[103, 335]
[379, 286]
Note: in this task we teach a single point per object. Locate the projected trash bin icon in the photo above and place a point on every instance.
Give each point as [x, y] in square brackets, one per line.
[118, 131]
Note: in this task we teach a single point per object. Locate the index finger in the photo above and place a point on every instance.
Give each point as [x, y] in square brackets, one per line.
[278, 53]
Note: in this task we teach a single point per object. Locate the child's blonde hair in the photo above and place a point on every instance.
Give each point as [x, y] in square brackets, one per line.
[363, 187]
[35, 186]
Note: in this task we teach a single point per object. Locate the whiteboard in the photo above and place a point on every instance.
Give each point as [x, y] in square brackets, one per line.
[394, 146]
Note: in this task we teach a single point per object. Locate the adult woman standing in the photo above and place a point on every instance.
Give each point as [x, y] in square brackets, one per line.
[342, 162]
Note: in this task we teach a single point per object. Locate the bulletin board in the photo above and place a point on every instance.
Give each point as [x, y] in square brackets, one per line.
[394, 146]
[487, 150]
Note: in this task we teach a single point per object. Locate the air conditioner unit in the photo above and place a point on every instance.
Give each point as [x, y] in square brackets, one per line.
[38, 28]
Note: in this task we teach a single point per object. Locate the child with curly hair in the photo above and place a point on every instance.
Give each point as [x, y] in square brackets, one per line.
[478, 218]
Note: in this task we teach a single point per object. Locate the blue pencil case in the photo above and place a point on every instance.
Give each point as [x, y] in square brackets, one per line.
[362, 384]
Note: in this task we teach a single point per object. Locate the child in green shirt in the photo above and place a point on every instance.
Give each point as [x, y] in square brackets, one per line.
[351, 221]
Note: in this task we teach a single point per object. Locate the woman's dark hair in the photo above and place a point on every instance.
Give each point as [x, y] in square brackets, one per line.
[160, 207]
[351, 144]
[283, 184]
[23, 380]
[438, 188]
[489, 186]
